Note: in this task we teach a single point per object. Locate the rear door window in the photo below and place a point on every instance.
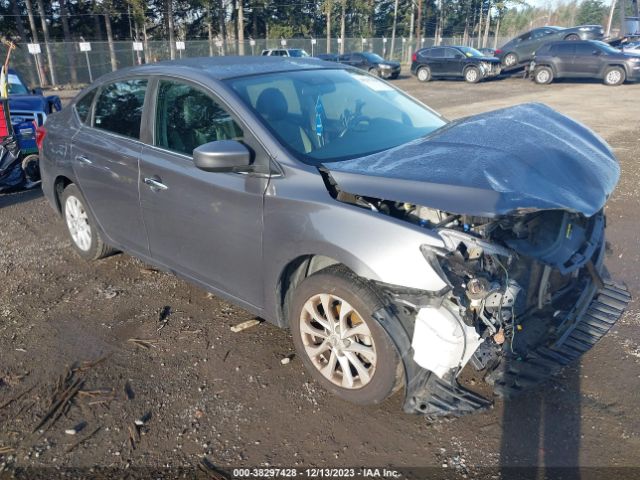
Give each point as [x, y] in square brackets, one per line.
[83, 106]
[437, 53]
[187, 117]
[119, 107]
[563, 49]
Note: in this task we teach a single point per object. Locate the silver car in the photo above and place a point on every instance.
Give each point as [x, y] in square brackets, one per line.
[398, 247]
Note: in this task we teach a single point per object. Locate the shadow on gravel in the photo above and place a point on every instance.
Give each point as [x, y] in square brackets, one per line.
[8, 199]
[541, 431]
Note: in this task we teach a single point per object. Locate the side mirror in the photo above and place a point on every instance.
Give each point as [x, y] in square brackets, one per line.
[37, 91]
[222, 156]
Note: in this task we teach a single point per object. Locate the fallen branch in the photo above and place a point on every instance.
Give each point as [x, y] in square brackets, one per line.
[144, 343]
[17, 397]
[58, 407]
[80, 442]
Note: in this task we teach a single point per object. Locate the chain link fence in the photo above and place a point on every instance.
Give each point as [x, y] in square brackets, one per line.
[63, 63]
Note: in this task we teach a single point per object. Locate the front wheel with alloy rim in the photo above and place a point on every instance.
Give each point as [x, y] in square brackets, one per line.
[375, 72]
[614, 76]
[543, 75]
[472, 75]
[424, 74]
[510, 60]
[339, 341]
[81, 226]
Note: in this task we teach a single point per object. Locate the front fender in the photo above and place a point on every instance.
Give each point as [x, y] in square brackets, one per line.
[373, 245]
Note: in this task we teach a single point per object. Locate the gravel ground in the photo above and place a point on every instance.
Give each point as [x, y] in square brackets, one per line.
[164, 382]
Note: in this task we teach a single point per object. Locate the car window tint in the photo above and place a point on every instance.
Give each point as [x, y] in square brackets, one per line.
[563, 49]
[524, 37]
[585, 49]
[450, 52]
[119, 107]
[285, 86]
[437, 53]
[83, 106]
[187, 117]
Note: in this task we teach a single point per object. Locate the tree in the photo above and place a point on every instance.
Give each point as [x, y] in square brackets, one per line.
[591, 12]
[71, 59]
[47, 46]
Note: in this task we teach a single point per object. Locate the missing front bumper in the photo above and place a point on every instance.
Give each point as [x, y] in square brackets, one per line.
[427, 394]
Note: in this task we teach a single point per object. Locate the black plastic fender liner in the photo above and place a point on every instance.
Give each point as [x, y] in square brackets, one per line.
[425, 393]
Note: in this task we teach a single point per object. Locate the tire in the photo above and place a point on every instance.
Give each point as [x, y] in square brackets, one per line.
[31, 168]
[543, 75]
[510, 60]
[81, 226]
[614, 76]
[472, 75]
[572, 37]
[424, 74]
[339, 287]
[374, 71]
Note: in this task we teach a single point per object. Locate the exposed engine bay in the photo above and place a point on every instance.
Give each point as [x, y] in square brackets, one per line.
[516, 284]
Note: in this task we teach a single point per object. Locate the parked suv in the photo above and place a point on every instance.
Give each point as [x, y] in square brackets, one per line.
[465, 62]
[398, 247]
[521, 49]
[285, 52]
[588, 59]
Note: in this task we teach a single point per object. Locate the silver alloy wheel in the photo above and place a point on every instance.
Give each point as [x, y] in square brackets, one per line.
[422, 74]
[613, 77]
[471, 75]
[338, 341]
[542, 76]
[510, 60]
[78, 223]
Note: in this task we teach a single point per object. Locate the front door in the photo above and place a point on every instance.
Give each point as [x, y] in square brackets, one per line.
[105, 161]
[207, 226]
[587, 61]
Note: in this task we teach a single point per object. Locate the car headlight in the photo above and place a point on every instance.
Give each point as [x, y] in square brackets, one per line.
[385, 66]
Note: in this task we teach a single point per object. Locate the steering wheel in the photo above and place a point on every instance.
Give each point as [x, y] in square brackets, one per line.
[351, 123]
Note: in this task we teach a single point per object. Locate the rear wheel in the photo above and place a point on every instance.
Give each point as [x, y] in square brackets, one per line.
[81, 226]
[614, 76]
[472, 75]
[424, 74]
[573, 36]
[339, 341]
[510, 60]
[543, 75]
[31, 168]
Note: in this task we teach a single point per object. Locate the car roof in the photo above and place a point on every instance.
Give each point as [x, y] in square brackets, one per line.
[221, 68]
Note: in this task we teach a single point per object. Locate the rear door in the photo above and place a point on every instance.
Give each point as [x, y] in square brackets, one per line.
[105, 157]
[208, 226]
[437, 61]
[587, 60]
[562, 55]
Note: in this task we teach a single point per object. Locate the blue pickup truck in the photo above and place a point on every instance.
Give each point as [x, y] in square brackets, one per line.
[27, 110]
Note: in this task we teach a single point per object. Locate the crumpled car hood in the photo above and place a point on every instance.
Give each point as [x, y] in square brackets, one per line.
[523, 158]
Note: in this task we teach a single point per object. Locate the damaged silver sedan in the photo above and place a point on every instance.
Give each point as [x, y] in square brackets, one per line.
[398, 247]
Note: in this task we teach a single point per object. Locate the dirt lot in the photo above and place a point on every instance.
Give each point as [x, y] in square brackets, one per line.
[203, 391]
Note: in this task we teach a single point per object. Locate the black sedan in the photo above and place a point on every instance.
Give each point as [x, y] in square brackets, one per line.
[520, 50]
[584, 59]
[373, 63]
[465, 62]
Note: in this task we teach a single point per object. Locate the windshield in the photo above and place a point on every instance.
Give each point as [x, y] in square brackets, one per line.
[332, 115]
[16, 87]
[606, 47]
[298, 53]
[373, 57]
[470, 52]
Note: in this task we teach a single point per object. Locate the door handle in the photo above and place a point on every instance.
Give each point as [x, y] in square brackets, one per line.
[155, 183]
[83, 159]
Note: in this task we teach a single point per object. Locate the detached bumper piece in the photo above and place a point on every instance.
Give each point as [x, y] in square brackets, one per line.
[603, 312]
[429, 395]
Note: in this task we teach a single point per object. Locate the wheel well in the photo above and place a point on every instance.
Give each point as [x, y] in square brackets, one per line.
[294, 273]
[59, 185]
